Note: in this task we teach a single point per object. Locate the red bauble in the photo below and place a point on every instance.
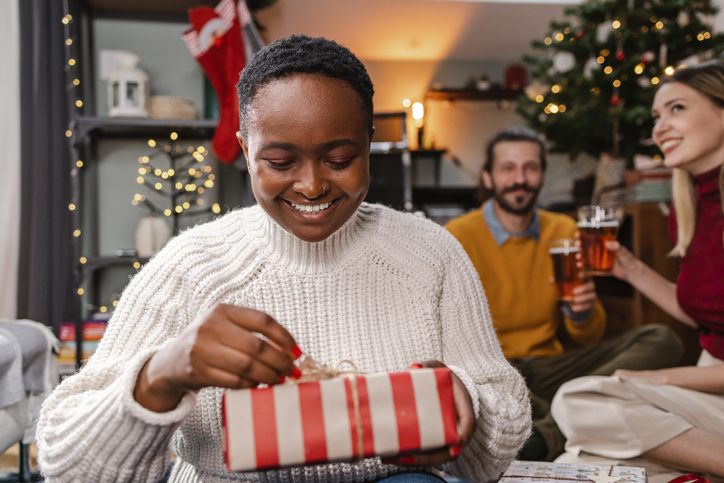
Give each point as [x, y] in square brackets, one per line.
[620, 56]
[615, 100]
[579, 34]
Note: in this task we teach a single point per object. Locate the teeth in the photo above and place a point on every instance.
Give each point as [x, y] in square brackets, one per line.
[311, 208]
[671, 143]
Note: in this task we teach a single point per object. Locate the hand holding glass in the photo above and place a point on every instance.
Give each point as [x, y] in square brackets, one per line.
[597, 225]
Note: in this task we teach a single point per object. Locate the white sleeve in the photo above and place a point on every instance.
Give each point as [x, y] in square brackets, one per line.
[91, 428]
[472, 351]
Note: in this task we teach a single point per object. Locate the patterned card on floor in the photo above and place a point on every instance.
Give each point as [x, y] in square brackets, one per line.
[539, 472]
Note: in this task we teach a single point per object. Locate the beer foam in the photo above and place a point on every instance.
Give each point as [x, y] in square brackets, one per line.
[564, 250]
[597, 224]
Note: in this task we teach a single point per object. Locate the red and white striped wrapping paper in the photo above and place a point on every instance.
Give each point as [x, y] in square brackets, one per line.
[317, 422]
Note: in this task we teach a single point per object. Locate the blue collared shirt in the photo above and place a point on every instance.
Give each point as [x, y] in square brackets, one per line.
[501, 236]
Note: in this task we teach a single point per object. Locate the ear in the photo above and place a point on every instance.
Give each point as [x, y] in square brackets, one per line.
[372, 133]
[487, 180]
[244, 146]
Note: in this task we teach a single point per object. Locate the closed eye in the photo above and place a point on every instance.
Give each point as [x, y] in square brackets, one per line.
[279, 163]
[339, 162]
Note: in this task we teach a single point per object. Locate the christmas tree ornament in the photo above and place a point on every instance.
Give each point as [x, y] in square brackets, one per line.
[647, 57]
[535, 89]
[615, 100]
[589, 67]
[620, 56]
[683, 18]
[663, 54]
[580, 34]
[604, 31]
[216, 43]
[644, 82]
[564, 61]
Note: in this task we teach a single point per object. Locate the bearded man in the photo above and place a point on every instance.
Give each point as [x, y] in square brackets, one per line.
[508, 239]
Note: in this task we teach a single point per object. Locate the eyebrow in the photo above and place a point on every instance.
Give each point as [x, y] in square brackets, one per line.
[322, 148]
[668, 103]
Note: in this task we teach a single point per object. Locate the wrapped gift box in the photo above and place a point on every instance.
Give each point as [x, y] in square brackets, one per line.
[538, 472]
[342, 419]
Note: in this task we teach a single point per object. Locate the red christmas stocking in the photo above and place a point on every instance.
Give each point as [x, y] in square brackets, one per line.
[216, 43]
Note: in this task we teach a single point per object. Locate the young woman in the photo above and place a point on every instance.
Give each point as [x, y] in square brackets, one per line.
[309, 267]
[671, 416]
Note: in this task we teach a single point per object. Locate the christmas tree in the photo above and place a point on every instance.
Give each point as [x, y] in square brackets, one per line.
[595, 81]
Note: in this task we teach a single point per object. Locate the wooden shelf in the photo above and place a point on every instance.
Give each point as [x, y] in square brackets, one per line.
[133, 127]
[166, 8]
[473, 95]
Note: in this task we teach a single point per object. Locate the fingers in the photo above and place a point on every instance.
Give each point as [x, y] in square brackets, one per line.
[231, 346]
[612, 245]
[256, 321]
[244, 365]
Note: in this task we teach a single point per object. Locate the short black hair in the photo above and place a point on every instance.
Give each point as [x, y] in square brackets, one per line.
[514, 133]
[300, 54]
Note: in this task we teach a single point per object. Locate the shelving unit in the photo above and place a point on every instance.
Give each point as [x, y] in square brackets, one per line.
[473, 95]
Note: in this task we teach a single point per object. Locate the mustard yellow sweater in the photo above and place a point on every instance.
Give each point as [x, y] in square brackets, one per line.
[525, 309]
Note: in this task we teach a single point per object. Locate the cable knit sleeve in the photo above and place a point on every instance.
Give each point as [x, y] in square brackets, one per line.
[91, 428]
[471, 350]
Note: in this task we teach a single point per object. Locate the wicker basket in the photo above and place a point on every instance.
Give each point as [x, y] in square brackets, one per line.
[170, 107]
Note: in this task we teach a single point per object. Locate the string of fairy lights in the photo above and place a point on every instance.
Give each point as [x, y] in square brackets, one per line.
[184, 184]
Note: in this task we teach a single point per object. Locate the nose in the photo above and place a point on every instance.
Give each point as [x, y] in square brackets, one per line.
[310, 182]
[660, 128]
[520, 175]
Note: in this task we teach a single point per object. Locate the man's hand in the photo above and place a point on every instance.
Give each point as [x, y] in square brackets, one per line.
[584, 297]
[466, 425]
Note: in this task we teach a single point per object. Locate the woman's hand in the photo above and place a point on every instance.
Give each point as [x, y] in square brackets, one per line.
[218, 349]
[584, 297]
[624, 261]
[466, 425]
[650, 377]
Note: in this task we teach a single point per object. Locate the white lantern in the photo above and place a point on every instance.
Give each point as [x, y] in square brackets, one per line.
[128, 87]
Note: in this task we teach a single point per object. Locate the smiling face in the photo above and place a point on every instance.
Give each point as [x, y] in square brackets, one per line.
[516, 175]
[689, 128]
[308, 150]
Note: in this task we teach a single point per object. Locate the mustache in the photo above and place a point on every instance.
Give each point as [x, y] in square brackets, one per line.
[517, 187]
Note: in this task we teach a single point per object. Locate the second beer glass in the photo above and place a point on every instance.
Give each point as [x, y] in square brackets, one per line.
[597, 225]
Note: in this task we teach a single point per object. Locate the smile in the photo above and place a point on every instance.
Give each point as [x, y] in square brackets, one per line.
[311, 208]
[670, 143]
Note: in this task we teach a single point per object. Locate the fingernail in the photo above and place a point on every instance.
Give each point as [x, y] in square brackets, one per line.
[415, 366]
[296, 373]
[408, 460]
[297, 352]
[455, 450]
[282, 379]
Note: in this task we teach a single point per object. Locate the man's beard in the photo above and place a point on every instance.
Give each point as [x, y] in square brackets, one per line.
[498, 195]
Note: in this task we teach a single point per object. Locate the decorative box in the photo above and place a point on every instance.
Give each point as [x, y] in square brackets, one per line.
[346, 418]
[538, 472]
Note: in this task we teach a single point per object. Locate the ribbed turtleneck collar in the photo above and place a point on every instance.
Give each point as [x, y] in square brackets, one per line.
[707, 184]
[343, 246]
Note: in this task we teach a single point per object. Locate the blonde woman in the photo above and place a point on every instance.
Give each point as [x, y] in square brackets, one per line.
[674, 417]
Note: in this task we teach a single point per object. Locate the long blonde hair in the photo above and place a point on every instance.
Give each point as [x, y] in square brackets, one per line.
[708, 79]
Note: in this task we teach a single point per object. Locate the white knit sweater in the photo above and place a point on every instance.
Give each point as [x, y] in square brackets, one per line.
[386, 290]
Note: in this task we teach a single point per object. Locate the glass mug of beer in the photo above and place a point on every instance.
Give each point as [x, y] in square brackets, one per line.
[597, 225]
[567, 274]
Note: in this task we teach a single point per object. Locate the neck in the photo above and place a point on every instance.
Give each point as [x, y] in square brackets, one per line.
[511, 222]
[706, 164]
